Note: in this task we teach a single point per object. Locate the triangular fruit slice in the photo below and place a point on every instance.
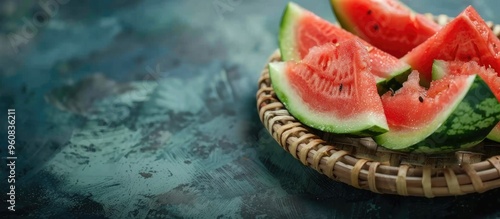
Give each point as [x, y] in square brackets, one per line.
[387, 24]
[442, 68]
[457, 112]
[331, 90]
[465, 38]
[301, 30]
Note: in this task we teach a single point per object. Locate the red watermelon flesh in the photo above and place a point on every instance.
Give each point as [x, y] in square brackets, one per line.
[314, 31]
[415, 106]
[465, 38]
[389, 25]
[331, 89]
[302, 30]
[403, 107]
[337, 80]
[419, 118]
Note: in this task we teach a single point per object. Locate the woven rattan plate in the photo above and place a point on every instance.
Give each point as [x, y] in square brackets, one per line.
[359, 162]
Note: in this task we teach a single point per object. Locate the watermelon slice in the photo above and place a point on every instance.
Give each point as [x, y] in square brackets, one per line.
[442, 68]
[387, 24]
[465, 38]
[457, 112]
[301, 30]
[331, 89]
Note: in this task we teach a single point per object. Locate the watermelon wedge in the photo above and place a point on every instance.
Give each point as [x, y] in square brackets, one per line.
[301, 30]
[442, 68]
[465, 38]
[456, 112]
[388, 25]
[331, 89]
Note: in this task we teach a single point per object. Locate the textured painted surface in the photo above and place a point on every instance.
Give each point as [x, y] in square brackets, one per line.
[146, 109]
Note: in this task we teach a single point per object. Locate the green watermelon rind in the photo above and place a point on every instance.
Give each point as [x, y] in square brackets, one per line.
[286, 37]
[438, 69]
[394, 83]
[494, 135]
[463, 124]
[341, 17]
[363, 125]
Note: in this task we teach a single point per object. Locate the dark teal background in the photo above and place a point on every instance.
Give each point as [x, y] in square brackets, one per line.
[146, 109]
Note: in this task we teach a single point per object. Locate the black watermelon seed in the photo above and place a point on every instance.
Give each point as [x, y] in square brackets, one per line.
[421, 99]
[340, 88]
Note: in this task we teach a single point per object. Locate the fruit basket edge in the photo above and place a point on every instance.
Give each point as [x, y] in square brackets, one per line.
[359, 169]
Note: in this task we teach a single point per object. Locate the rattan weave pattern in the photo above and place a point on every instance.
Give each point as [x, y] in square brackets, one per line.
[359, 162]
